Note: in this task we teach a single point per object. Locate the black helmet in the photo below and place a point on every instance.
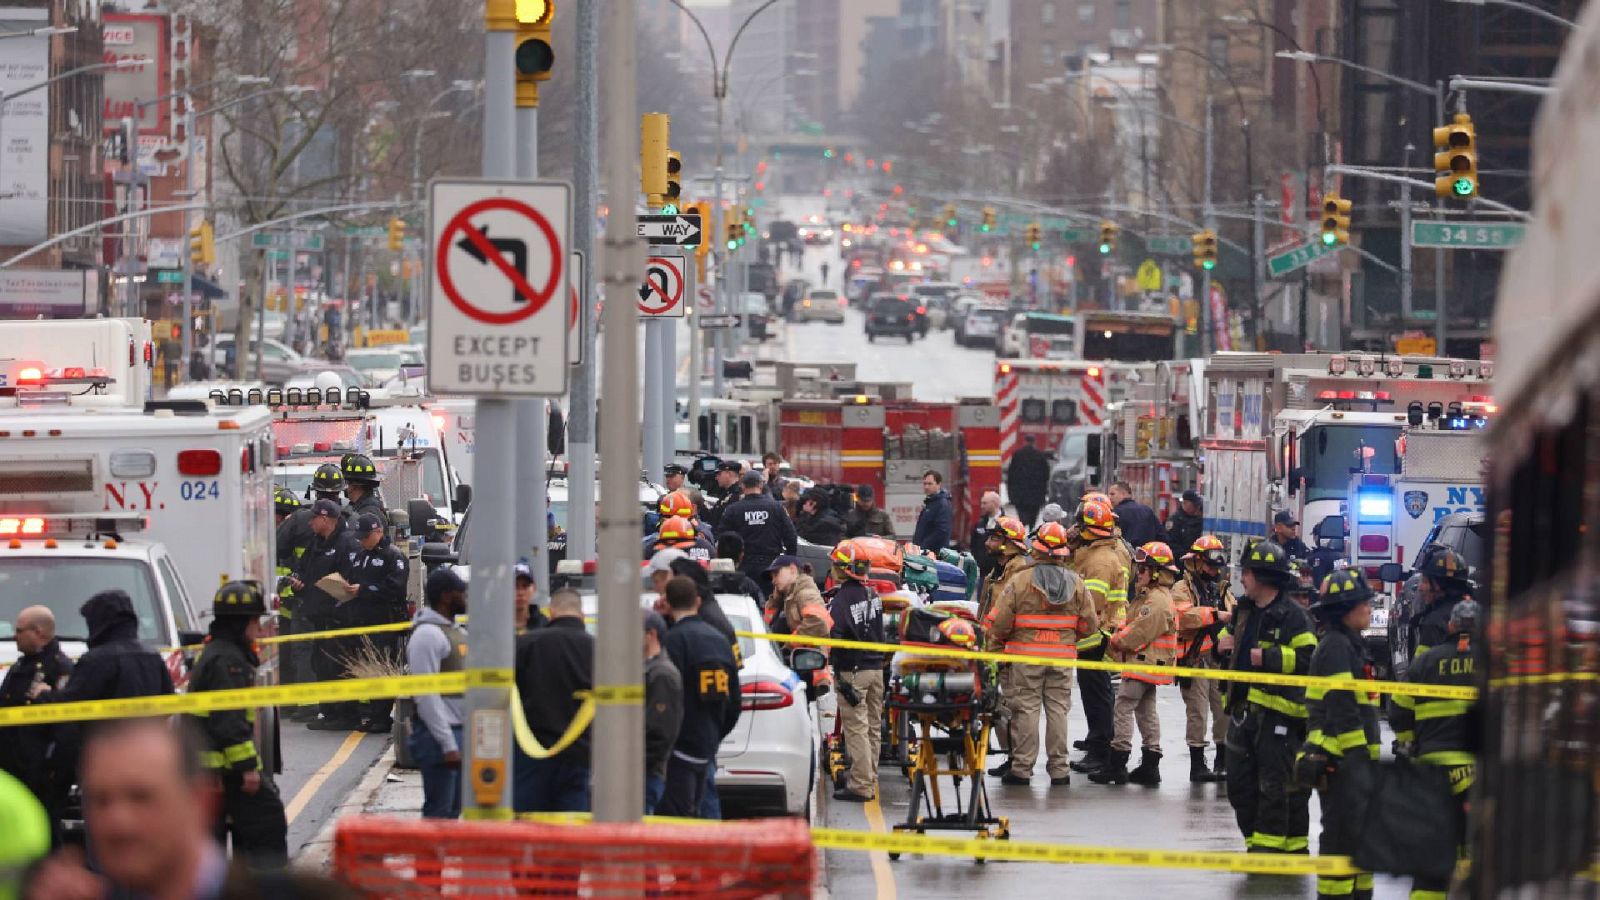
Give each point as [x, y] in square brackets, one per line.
[1445, 566]
[1341, 592]
[284, 501]
[358, 468]
[327, 479]
[1464, 616]
[1265, 556]
[239, 598]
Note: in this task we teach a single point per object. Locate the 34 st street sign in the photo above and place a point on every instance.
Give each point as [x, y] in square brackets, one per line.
[1467, 235]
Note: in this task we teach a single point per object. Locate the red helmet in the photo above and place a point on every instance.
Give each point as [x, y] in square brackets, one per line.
[676, 503]
[676, 530]
[1051, 539]
[1208, 548]
[1155, 555]
[959, 632]
[848, 559]
[1096, 518]
[1013, 531]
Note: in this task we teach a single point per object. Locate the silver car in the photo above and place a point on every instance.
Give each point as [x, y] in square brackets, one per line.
[821, 305]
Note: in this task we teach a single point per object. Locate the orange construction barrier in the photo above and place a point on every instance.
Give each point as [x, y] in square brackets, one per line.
[760, 858]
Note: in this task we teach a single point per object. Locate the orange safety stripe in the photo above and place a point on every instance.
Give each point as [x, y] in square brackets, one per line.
[1050, 622]
[1057, 651]
[818, 610]
[1148, 679]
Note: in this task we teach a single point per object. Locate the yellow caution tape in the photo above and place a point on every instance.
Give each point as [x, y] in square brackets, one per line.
[618, 694]
[356, 631]
[1401, 688]
[1543, 678]
[530, 743]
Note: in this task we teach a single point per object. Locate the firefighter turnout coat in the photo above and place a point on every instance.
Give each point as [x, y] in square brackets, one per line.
[1149, 637]
[1043, 610]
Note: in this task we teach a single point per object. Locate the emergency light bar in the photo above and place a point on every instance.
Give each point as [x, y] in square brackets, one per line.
[66, 526]
[19, 374]
[292, 398]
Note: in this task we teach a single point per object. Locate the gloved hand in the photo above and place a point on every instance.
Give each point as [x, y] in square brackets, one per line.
[1311, 770]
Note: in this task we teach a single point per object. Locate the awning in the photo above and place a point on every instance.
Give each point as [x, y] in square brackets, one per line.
[205, 287]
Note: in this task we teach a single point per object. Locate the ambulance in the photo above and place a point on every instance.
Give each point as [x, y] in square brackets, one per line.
[1050, 399]
[119, 351]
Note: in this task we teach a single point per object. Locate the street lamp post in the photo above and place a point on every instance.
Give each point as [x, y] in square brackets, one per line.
[1528, 8]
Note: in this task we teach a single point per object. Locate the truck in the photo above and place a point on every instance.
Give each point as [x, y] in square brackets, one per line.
[118, 353]
[1149, 439]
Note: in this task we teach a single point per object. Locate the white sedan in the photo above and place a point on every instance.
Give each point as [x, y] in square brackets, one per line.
[821, 305]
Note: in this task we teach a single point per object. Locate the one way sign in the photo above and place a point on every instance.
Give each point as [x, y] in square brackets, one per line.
[682, 229]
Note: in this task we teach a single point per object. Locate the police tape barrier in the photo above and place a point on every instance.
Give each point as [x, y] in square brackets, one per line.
[908, 843]
[529, 744]
[1399, 688]
[355, 631]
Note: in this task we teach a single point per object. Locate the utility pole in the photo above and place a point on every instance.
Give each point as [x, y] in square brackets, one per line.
[1207, 338]
[585, 197]
[1405, 256]
[1257, 254]
[186, 258]
[619, 667]
[1438, 255]
[532, 420]
[486, 750]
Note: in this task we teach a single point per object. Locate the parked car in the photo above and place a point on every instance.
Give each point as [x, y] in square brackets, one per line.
[279, 361]
[1011, 340]
[1465, 533]
[376, 364]
[757, 312]
[821, 305]
[893, 314]
[980, 327]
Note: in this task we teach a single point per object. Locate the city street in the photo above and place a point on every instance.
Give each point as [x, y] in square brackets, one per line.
[319, 770]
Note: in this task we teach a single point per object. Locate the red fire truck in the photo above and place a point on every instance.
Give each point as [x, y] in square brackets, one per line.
[890, 444]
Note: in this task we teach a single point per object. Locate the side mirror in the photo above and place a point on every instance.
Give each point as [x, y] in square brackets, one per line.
[463, 497]
[1391, 573]
[1091, 452]
[805, 660]
[436, 554]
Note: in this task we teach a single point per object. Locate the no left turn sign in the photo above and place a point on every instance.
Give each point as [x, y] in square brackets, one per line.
[661, 292]
[500, 297]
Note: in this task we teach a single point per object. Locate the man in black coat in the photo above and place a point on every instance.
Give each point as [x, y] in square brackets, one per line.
[1185, 526]
[333, 553]
[761, 521]
[816, 522]
[380, 576]
[1138, 522]
[711, 702]
[24, 748]
[1028, 480]
[554, 665]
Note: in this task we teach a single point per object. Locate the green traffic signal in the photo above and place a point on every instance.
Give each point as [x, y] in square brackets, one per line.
[1105, 248]
[733, 243]
[950, 222]
[1329, 238]
[1036, 245]
[671, 209]
[983, 227]
[1463, 187]
[1208, 264]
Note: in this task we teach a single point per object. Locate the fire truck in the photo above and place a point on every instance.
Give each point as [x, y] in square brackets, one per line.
[889, 444]
[1049, 399]
[1286, 431]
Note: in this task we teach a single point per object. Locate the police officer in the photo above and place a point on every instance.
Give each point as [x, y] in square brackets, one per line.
[676, 478]
[858, 616]
[1203, 609]
[1269, 633]
[295, 537]
[1098, 558]
[1043, 610]
[1150, 638]
[1343, 725]
[1443, 584]
[252, 811]
[710, 698]
[380, 578]
[361, 480]
[1436, 731]
[332, 553]
[767, 530]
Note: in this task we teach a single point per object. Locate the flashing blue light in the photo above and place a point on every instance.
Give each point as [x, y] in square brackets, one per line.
[1374, 507]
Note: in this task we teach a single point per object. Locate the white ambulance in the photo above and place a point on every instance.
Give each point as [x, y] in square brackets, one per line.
[120, 351]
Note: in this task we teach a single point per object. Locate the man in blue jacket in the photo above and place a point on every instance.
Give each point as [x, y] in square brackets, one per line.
[937, 516]
[711, 702]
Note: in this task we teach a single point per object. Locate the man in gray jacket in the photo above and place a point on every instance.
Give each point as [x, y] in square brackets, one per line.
[663, 708]
[439, 645]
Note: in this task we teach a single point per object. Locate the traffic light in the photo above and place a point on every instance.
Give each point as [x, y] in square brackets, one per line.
[397, 234]
[202, 245]
[988, 219]
[735, 228]
[535, 55]
[1108, 238]
[702, 209]
[1205, 250]
[1335, 221]
[1456, 155]
[950, 219]
[653, 128]
[1035, 236]
[674, 181]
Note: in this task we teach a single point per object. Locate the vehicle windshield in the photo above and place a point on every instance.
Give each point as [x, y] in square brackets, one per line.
[64, 583]
[1466, 538]
[412, 356]
[1330, 454]
[824, 295]
[1049, 325]
[741, 622]
[889, 305]
[1126, 346]
[986, 314]
[367, 362]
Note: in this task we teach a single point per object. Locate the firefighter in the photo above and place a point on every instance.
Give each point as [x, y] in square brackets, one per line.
[380, 577]
[1149, 638]
[1008, 546]
[1343, 724]
[679, 532]
[361, 480]
[251, 810]
[857, 614]
[796, 606]
[284, 505]
[1097, 557]
[1203, 607]
[1267, 722]
[1043, 610]
[1443, 584]
[1436, 731]
[681, 502]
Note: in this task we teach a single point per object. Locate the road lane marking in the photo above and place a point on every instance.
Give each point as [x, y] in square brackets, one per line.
[302, 798]
[881, 873]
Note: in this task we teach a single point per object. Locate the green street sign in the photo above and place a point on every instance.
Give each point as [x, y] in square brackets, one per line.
[1170, 244]
[295, 240]
[169, 276]
[1467, 235]
[1021, 221]
[1077, 235]
[263, 240]
[1299, 257]
[366, 231]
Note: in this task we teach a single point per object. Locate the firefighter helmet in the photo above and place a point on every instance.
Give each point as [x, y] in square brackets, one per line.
[958, 631]
[1050, 539]
[1011, 531]
[1208, 548]
[676, 530]
[1464, 616]
[1341, 592]
[1096, 519]
[1266, 556]
[848, 560]
[239, 598]
[358, 469]
[1445, 566]
[1156, 555]
[284, 501]
[328, 479]
[676, 503]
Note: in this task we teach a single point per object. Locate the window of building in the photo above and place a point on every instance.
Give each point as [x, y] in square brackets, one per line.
[1047, 54]
[1047, 12]
[1085, 12]
[1124, 12]
[1217, 50]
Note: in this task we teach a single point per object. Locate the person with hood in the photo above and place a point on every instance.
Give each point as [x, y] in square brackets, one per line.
[116, 665]
[1185, 526]
[1028, 480]
[816, 522]
[251, 809]
[937, 516]
[24, 748]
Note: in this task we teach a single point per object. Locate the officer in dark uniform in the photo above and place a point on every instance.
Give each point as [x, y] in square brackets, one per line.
[1436, 731]
[1343, 725]
[361, 479]
[710, 698]
[1269, 633]
[295, 537]
[1443, 584]
[380, 576]
[333, 553]
[252, 811]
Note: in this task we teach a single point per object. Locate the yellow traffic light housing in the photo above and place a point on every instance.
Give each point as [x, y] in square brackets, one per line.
[1205, 249]
[202, 244]
[1035, 236]
[950, 219]
[397, 234]
[1335, 221]
[988, 219]
[1108, 238]
[1456, 156]
[535, 55]
[653, 129]
[702, 209]
[674, 181]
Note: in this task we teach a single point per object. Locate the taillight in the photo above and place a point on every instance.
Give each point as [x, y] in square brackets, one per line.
[14, 525]
[922, 310]
[765, 695]
[1374, 544]
[199, 462]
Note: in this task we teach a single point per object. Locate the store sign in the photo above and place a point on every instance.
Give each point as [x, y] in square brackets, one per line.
[128, 36]
[52, 293]
[25, 139]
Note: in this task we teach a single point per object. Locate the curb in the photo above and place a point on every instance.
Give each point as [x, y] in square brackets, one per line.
[317, 855]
